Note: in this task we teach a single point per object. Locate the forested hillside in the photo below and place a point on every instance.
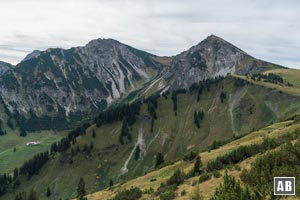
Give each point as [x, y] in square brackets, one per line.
[129, 140]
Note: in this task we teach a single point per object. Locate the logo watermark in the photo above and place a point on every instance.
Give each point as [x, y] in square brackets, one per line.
[284, 185]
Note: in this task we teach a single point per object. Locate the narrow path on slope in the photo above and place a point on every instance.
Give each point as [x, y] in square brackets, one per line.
[233, 99]
[140, 141]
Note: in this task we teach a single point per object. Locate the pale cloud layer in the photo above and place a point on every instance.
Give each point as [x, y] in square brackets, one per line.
[266, 29]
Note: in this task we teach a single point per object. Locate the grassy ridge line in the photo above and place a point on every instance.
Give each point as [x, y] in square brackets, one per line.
[290, 75]
[295, 91]
[162, 174]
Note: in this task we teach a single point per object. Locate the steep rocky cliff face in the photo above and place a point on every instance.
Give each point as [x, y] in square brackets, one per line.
[4, 67]
[210, 58]
[51, 88]
[69, 85]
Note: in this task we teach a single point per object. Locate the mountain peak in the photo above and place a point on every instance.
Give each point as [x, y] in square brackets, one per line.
[102, 41]
[33, 54]
[214, 37]
[4, 67]
[217, 43]
[211, 57]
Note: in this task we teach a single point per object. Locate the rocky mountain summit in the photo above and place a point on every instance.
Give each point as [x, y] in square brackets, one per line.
[4, 67]
[210, 58]
[76, 82]
[57, 86]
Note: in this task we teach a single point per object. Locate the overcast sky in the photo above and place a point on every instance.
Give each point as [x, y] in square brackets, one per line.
[266, 29]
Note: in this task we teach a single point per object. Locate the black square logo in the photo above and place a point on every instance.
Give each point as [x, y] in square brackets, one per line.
[284, 185]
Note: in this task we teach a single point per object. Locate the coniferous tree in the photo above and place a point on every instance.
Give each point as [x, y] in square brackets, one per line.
[174, 98]
[111, 183]
[93, 133]
[81, 192]
[189, 157]
[23, 132]
[1, 132]
[91, 146]
[232, 189]
[48, 193]
[53, 148]
[197, 166]
[16, 174]
[196, 194]
[5, 181]
[222, 96]
[198, 116]
[137, 152]
[125, 133]
[159, 160]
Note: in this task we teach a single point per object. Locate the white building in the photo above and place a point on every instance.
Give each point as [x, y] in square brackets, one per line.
[32, 143]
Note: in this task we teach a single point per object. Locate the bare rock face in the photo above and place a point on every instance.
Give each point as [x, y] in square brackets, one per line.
[52, 88]
[210, 58]
[75, 83]
[4, 67]
[33, 54]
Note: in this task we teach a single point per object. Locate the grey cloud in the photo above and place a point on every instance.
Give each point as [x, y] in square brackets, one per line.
[266, 29]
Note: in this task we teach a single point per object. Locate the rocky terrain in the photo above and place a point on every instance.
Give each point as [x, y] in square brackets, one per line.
[210, 58]
[60, 86]
[4, 67]
[76, 82]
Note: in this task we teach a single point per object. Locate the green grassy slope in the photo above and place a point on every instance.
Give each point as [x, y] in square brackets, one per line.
[207, 188]
[10, 159]
[290, 75]
[245, 109]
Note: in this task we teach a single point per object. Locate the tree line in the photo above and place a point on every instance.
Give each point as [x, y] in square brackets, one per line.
[284, 162]
[205, 85]
[270, 77]
[243, 152]
[198, 117]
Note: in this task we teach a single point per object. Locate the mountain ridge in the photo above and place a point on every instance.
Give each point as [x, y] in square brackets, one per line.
[189, 103]
[78, 82]
[4, 67]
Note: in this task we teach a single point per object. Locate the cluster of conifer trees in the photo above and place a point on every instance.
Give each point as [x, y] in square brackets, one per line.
[152, 106]
[198, 117]
[284, 162]
[119, 112]
[125, 133]
[5, 181]
[241, 153]
[166, 190]
[233, 190]
[272, 78]
[133, 193]
[28, 169]
[204, 85]
[33, 166]
[174, 98]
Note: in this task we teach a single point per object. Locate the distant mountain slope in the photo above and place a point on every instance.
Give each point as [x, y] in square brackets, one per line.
[76, 83]
[31, 55]
[173, 132]
[4, 67]
[210, 58]
[56, 87]
[207, 187]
